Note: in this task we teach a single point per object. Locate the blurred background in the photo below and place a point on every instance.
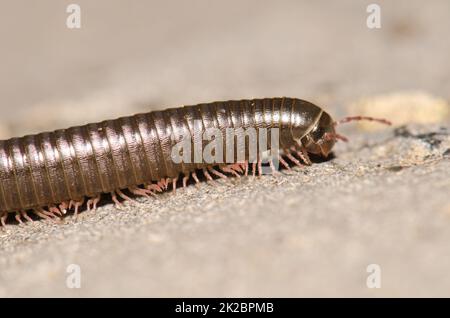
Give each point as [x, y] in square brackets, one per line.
[308, 234]
[142, 55]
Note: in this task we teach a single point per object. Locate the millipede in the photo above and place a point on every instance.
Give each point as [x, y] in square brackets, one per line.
[51, 173]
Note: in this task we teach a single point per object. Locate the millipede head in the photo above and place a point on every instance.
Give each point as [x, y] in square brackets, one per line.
[318, 141]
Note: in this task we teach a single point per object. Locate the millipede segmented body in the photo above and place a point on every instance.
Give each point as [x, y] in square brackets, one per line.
[53, 171]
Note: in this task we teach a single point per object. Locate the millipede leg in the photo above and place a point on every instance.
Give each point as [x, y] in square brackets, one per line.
[26, 216]
[229, 170]
[284, 163]
[125, 197]
[54, 209]
[50, 214]
[163, 183]
[139, 191]
[246, 167]
[194, 175]
[3, 217]
[237, 167]
[18, 218]
[76, 205]
[42, 213]
[253, 169]
[92, 203]
[154, 187]
[294, 160]
[272, 167]
[207, 175]
[260, 167]
[185, 179]
[142, 192]
[217, 173]
[174, 184]
[117, 203]
[303, 154]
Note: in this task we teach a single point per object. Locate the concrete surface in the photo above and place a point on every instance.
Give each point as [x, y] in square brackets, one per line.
[383, 199]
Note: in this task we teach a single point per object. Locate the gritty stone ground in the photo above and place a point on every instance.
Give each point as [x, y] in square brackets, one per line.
[312, 231]
[382, 199]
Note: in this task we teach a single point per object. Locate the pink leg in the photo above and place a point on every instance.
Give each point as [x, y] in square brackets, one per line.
[26, 216]
[254, 169]
[185, 179]
[194, 175]
[53, 209]
[174, 184]
[50, 214]
[207, 175]
[246, 167]
[154, 187]
[284, 163]
[294, 160]
[3, 217]
[260, 167]
[92, 203]
[125, 197]
[217, 173]
[272, 167]
[116, 201]
[303, 154]
[42, 213]
[227, 169]
[76, 206]
[163, 183]
[142, 192]
[237, 167]
[18, 218]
